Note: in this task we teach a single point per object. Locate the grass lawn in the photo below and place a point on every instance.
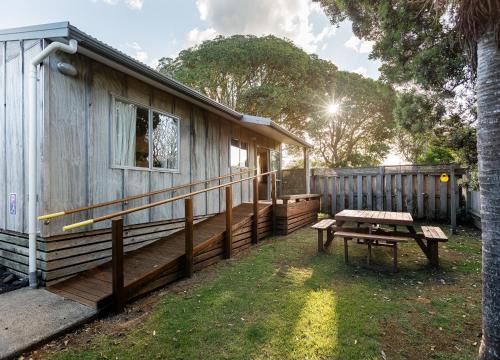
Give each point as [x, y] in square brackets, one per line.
[282, 300]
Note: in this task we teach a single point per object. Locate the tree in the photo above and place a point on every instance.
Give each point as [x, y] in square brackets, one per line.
[421, 56]
[477, 25]
[360, 132]
[266, 76]
[271, 77]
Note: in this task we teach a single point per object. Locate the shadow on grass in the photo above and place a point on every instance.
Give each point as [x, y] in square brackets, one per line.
[285, 301]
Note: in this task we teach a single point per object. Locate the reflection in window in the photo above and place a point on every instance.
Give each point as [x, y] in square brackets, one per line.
[131, 140]
[239, 153]
[275, 160]
[235, 152]
[165, 141]
[243, 154]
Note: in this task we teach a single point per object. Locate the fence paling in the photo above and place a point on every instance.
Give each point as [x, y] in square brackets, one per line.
[415, 189]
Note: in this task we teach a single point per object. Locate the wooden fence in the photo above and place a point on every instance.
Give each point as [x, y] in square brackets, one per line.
[415, 189]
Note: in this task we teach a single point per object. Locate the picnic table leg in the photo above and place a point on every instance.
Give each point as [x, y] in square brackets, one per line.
[329, 237]
[321, 247]
[433, 253]
[369, 257]
[346, 251]
[395, 257]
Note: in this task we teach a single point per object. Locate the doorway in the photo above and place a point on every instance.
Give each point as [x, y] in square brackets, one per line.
[263, 167]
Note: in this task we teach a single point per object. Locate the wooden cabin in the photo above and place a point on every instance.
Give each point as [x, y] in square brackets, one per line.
[109, 127]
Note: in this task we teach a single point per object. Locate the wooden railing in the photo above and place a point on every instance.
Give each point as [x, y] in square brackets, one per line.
[134, 197]
[120, 294]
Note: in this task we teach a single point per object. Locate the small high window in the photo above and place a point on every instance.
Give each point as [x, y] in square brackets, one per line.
[239, 153]
[143, 138]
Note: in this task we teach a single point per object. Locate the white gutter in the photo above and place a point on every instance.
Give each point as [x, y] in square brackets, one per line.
[32, 156]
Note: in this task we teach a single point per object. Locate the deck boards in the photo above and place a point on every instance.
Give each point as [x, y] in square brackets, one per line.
[93, 287]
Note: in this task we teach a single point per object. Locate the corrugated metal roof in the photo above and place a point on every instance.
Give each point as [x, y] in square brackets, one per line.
[64, 30]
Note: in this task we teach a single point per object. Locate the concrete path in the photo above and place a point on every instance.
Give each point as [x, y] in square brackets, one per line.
[29, 317]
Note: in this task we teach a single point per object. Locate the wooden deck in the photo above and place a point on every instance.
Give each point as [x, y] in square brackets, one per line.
[162, 262]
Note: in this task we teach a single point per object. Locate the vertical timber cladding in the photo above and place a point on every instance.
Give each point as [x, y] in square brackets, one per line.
[15, 57]
[414, 189]
[76, 149]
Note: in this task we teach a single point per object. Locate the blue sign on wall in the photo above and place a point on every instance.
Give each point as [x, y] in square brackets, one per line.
[13, 203]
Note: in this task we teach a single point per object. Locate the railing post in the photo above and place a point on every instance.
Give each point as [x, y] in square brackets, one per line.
[273, 197]
[255, 224]
[228, 241]
[188, 207]
[117, 265]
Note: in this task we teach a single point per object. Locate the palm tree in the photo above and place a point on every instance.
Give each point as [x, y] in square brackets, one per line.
[479, 22]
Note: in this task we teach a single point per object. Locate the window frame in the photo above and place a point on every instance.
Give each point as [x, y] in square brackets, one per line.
[150, 109]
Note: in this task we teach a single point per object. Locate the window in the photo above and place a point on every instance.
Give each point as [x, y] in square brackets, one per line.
[165, 144]
[275, 160]
[239, 153]
[144, 138]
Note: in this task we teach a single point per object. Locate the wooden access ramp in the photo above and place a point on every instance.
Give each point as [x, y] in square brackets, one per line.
[163, 261]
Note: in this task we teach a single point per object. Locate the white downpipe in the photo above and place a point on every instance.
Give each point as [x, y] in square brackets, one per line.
[32, 156]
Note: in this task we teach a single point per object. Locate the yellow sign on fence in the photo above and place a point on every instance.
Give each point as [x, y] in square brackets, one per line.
[444, 177]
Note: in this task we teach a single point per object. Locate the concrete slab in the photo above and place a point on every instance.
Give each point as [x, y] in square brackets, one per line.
[29, 317]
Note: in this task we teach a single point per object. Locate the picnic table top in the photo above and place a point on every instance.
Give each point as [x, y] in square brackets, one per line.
[375, 217]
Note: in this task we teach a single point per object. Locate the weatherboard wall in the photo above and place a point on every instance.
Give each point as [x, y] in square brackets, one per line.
[75, 163]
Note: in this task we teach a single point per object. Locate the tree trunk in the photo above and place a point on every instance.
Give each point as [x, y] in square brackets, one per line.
[488, 144]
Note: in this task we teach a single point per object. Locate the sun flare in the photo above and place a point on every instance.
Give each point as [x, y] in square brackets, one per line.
[333, 108]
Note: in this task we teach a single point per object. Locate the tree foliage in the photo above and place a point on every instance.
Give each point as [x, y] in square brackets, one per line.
[360, 134]
[271, 77]
[423, 57]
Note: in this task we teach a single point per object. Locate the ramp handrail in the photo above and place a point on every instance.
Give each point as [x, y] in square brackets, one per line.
[133, 197]
[157, 203]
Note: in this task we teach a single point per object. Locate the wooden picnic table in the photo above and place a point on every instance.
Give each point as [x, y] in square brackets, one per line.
[395, 219]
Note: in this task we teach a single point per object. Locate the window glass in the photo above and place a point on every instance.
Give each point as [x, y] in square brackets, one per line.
[131, 140]
[244, 154]
[235, 152]
[165, 141]
[142, 136]
[275, 160]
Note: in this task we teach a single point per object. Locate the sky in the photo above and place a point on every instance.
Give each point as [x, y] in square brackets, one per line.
[151, 29]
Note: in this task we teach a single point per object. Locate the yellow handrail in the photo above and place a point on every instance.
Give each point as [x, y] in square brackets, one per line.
[129, 198]
[154, 204]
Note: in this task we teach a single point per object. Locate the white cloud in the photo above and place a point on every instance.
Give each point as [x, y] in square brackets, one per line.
[284, 18]
[132, 4]
[197, 36]
[358, 45]
[137, 52]
[362, 71]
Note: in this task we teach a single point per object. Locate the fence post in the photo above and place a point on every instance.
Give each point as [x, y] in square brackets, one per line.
[273, 197]
[255, 224]
[228, 245]
[453, 200]
[420, 195]
[188, 208]
[118, 282]
[380, 189]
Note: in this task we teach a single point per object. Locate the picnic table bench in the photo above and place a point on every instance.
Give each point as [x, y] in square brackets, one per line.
[321, 226]
[368, 232]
